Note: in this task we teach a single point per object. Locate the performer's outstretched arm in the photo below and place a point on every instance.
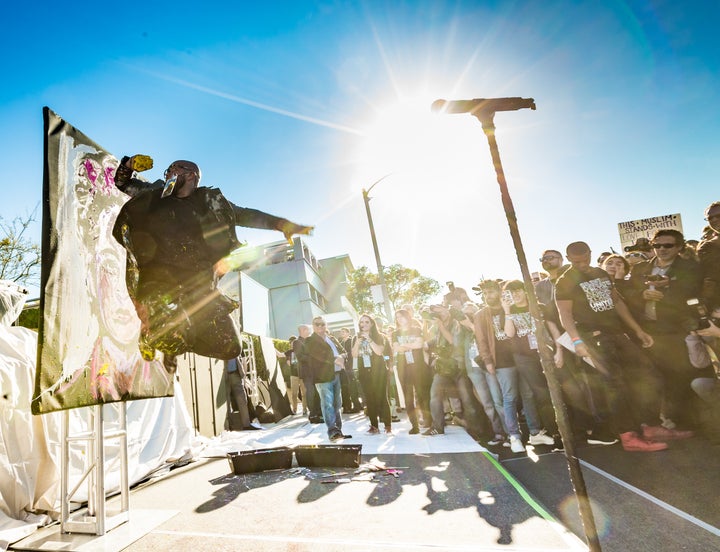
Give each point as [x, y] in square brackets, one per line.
[252, 218]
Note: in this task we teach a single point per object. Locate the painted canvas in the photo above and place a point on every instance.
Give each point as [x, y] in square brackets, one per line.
[88, 337]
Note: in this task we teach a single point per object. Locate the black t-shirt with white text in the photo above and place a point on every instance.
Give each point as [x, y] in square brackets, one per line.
[503, 343]
[524, 342]
[591, 293]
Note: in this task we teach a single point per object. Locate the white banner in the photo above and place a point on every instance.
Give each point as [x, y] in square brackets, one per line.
[631, 230]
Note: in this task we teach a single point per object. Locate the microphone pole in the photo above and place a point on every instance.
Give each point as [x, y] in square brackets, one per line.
[484, 110]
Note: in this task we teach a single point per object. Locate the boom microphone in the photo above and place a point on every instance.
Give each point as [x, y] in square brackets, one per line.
[484, 106]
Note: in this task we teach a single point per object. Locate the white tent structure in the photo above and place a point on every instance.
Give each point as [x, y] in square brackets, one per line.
[159, 433]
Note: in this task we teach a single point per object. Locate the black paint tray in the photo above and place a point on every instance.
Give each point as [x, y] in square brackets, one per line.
[250, 461]
[341, 456]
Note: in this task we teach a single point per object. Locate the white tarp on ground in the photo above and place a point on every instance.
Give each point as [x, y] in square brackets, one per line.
[296, 430]
[159, 432]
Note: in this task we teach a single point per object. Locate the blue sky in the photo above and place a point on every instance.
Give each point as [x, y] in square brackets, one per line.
[294, 107]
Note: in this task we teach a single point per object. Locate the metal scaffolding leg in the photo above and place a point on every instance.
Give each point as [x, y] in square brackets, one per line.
[91, 528]
[94, 520]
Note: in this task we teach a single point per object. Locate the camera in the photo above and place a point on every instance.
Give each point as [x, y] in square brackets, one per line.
[700, 319]
[457, 314]
[428, 314]
[507, 296]
[450, 285]
[652, 279]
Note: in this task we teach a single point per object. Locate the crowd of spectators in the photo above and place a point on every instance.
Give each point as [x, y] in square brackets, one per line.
[632, 342]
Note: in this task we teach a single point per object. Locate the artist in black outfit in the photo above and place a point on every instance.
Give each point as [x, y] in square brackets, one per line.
[177, 235]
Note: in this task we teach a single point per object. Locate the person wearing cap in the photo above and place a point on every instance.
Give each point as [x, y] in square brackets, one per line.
[493, 326]
[447, 339]
[177, 235]
[525, 344]
[638, 252]
[635, 257]
[597, 319]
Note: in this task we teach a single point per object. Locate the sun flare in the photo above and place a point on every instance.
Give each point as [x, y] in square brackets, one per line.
[426, 153]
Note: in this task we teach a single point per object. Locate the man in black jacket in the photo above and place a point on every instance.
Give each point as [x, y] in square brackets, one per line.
[657, 296]
[177, 237]
[312, 400]
[325, 358]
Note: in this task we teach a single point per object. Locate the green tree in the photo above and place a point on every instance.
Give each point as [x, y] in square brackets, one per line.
[404, 286]
[19, 257]
[359, 293]
[20, 261]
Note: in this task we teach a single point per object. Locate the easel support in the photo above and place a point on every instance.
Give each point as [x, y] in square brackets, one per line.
[95, 520]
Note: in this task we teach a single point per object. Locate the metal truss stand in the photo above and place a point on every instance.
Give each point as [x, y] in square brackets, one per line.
[247, 358]
[92, 528]
[93, 521]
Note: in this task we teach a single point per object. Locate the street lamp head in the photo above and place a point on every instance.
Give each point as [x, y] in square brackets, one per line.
[482, 105]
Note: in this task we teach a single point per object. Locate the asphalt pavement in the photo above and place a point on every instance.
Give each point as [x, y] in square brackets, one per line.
[445, 492]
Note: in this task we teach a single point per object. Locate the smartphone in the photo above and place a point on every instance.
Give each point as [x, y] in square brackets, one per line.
[507, 296]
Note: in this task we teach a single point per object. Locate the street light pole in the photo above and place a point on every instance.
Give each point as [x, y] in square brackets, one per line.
[484, 110]
[381, 275]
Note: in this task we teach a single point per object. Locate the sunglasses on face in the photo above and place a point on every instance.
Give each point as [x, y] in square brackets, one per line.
[173, 169]
[318, 323]
[663, 245]
[548, 258]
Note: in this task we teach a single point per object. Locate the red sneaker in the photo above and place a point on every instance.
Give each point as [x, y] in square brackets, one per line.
[632, 443]
[660, 433]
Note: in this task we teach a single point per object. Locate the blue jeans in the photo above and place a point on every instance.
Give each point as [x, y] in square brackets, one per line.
[531, 370]
[514, 388]
[487, 389]
[445, 387]
[312, 399]
[330, 402]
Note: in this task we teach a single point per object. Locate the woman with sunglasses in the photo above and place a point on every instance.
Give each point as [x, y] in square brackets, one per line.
[369, 350]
